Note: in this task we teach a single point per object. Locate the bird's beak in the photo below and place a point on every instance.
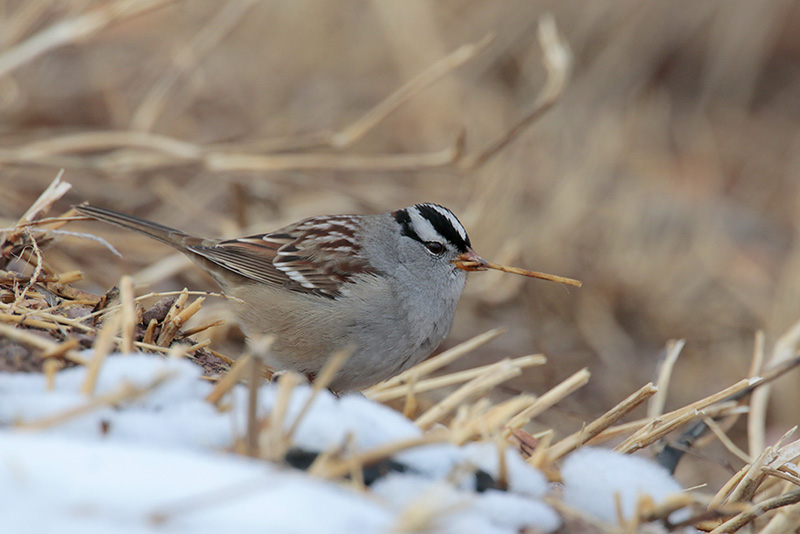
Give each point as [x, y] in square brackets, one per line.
[469, 261]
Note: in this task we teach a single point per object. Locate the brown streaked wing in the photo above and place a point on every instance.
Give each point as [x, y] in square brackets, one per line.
[315, 256]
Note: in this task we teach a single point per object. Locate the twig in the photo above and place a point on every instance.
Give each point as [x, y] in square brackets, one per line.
[557, 60]
[491, 421]
[128, 314]
[325, 377]
[37, 271]
[670, 455]
[38, 342]
[656, 405]
[429, 76]
[494, 375]
[388, 394]
[594, 428]
[661, 426]
[199, 46]
[725, 440]
[253, 383]
[757, 416]
[276, 442]
[758, 510]
[71, 30]
[103, 344]
[146, 151]
[26, 320]
[554, 395]
[229, 379]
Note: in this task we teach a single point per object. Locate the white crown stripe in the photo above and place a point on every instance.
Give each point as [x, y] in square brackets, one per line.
[452, 218]
[424, 227]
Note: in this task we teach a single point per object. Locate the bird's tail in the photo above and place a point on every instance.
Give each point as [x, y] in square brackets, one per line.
[169, 236]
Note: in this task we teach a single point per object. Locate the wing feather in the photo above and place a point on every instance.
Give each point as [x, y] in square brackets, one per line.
[318, 255]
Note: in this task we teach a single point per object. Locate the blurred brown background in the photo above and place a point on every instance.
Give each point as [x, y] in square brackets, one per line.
[665, 177]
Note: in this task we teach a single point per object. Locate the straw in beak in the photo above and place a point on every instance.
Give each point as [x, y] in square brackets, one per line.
[469, 261]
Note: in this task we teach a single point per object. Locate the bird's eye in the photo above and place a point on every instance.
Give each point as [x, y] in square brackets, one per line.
[434, 247]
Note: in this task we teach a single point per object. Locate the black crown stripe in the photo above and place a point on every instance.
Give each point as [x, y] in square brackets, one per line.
[404, 220]
[442, 224]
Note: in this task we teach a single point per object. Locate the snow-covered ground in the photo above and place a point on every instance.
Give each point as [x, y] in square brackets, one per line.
[161, 464]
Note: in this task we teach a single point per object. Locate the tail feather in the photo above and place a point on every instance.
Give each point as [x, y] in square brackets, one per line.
[169, 236]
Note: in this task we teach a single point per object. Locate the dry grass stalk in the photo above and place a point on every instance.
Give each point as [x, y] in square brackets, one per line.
[326, 375]
[149, 335]
[20, 21]
[787, 455]
[547, 400]
[496, 374]
[490, 421]
[253, 427]
[77, 321]
[201, 328]
[61, 349]
[275, 441]
[647, 510]
[656, 405]
[358, 129]
[230, 162]
[539, 445]
[410, 403]
[719, 410]
[73, 29]
[37, 271]
[170, 152]
[723, 438]
[170, 325]
[49, 196]
[437, 362]
[165, 151]
[191, 349]
[127, 313]
[756, 417]
[8, 277]
[51, 367]
[557, 59]
[450, 379]
[784, 473]
[728, 487]
[754, 475]
[225, 20]
[103, 345]
[785, 349]
[661, 426]
[502, 463]
[26, 320]
[736, 523]
[785, 521]
[594, 428]
[39, 343]
[229, 379]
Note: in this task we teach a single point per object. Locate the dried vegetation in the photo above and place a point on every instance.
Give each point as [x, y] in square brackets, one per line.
[663, 178]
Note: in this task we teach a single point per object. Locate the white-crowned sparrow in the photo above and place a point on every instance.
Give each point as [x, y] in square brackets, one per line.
[386, 285]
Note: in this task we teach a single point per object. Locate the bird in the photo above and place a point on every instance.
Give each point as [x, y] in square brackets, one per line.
[383, 286]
